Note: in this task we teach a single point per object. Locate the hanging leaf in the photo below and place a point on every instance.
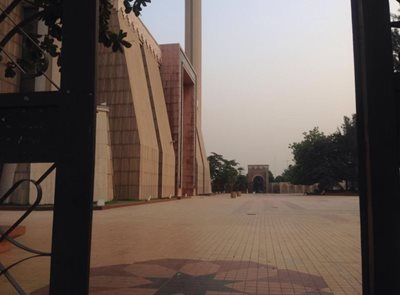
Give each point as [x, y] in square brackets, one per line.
[9, 72]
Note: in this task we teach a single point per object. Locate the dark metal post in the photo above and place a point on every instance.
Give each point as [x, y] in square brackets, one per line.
[378, 147]
[70, 262]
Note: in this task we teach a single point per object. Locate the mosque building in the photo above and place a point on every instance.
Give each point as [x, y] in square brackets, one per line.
[149, 141]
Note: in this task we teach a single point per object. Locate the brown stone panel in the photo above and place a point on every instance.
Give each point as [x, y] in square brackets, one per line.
[179, 80]
[193, 45]
[167, 154]
[171, 79]
[193, 50]
[188, 142]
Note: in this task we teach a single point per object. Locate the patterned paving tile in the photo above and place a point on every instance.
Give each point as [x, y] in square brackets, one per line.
[174, 276]
[262, 244]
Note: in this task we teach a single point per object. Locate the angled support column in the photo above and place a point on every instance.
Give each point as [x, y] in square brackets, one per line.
[378, 147]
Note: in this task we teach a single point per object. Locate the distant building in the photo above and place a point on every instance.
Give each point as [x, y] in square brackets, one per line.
[258, 178]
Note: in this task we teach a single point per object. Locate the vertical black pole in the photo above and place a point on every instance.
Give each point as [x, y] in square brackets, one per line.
[72, 223]
[378, 147]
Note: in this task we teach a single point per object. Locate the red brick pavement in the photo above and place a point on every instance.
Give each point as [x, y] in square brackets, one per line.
[279, 245]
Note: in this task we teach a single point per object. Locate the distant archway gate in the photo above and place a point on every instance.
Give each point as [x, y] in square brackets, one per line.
[257, 177]
[378, 121]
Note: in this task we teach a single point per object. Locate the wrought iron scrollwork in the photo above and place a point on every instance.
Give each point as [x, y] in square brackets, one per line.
[5, 234]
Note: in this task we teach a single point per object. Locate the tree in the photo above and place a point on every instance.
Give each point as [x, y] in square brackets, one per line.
[396, 49]
[325, 159]
[50, 13]
[346, 141]
[241, 183]
[224, 173]
[287, 175]
[396, 44]
[279, 178]
[270, 176]
[313, 160]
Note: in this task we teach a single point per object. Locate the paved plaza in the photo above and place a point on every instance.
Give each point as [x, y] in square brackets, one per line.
[255, 244]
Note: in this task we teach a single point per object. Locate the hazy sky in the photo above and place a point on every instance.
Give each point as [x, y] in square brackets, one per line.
[271, 71]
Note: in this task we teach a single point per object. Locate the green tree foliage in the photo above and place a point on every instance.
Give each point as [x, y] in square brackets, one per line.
[226, 175]
[286, 176]
[346, 142]
[50, 13]
[270, 176]
[315, 160]
[241, 183]
[325, 159]
[396, 49]
[396, 44]
[280, 178]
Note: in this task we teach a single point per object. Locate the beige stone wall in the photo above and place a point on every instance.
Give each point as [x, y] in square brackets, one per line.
[199, 170]
[275, 188]
[207, 178]
[7, 178]
[21, 195]
[26, 193]
[163, 130]
[146, 142]
[298, 189]
[103, 176]
[37, 169]
[123, 86]
[114, 89]
[103, 189]
[284, 188]
[48, 185]
[288, 188]
[139, 28]
[203, 167]
[12, 173]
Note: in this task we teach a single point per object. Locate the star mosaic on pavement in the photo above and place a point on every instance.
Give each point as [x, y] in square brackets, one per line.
[187, 284]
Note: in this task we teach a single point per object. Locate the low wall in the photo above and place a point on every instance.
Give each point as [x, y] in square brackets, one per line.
[288, 188]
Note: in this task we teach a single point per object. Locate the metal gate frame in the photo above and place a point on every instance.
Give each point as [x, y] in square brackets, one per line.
[378, 134]
[378, 137]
